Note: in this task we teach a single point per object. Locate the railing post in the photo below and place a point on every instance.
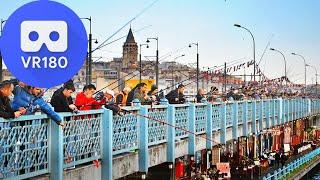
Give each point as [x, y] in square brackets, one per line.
[261, 115]
[273, 113]
[223, 110]
[309, 107]
[294, 109]
[171, 134]
[209, 128]
[268, 116]
[245, 118]
[143, 141]
[254, 117]
[107, 144]
[290, 110]
[192, 128]
[235, 110]
[56, 151]
[275, 175]
[280, 110]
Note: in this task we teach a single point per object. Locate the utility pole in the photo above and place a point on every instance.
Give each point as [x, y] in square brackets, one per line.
[208, 80]
[197, 44]
[140, 59]
[1, 68]
[157, 59]
[89, 56]
[225, 77]
[254, 49]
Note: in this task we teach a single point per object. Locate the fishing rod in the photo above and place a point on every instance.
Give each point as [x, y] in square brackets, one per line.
[131, 20]
[143, 28]
[150, 65]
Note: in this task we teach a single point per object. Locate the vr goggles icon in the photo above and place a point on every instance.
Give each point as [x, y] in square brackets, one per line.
[54, 34]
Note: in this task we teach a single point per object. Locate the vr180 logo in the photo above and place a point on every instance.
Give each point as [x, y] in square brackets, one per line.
[44, 43]
[36, 34]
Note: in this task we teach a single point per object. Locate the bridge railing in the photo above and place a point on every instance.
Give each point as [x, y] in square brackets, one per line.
[82, 137]
[125, 131]
[201, 117]
[283, 172]
[25, 147]
[35, 145]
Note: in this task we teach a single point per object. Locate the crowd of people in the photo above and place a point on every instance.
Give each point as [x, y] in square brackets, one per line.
[17, 98]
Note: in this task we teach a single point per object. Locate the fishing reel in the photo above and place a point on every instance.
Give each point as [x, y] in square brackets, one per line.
[76, 111]
[99, 96]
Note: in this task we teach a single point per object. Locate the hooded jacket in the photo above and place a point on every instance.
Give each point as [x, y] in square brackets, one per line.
[22, 98]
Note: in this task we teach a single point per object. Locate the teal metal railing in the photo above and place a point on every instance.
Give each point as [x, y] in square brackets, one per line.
[282, 173]
[34, 145]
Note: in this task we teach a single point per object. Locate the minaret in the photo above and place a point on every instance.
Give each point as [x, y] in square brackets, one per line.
[130, 52]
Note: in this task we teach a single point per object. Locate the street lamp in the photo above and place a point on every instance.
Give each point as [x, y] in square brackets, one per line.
[197, 44]
[305, 69]
[174, 60]
[285, 62]
[254, 49]
[1, 68]
[140, 59]
[89, 57]
[157, 59]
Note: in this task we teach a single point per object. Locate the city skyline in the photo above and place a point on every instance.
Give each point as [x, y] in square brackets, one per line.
[288, 26]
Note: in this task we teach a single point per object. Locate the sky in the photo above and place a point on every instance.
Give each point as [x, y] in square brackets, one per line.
[288, 25]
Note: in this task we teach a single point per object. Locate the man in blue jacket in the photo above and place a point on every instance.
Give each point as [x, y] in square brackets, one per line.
[31, 99]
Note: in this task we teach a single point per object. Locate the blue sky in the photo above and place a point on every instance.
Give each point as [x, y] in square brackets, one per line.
[291, 25]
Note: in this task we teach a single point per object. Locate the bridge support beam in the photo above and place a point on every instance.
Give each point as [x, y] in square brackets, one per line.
[192, 128]
[245, 119]
[267, 105]
[107, 130]
[235, 120]
[171, 135]
[254, 117]
[56, 154]
[209, 144]
[143, 141]
[223, 125]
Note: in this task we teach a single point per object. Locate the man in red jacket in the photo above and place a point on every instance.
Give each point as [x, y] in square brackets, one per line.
[85, 100]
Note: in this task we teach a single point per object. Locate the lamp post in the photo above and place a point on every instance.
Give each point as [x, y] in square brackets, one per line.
[305, 69]
[157, 59]
[197, 44]
[140, 59]
[285, 62]
[89, 57]
[174, 60]
[316, 77]
[1, 68]
[254, 49]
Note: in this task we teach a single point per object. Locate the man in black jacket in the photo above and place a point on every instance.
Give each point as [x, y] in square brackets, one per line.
[62, 100]
[6, 88]
[176, 96]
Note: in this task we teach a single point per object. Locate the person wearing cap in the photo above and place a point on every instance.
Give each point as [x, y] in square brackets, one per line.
[176, 96]
[31, 99]
[6, 111]
[109, 102]
[61, 99]
[121, 97]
